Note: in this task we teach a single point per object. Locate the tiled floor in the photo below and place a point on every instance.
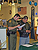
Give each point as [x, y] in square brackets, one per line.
[31, 41]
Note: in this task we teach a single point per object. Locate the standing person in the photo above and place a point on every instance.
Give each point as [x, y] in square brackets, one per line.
[24, 31]
[12, 26]
[8, 34]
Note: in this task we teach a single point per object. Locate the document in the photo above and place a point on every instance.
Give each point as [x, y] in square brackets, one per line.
[21, 26]
[27, 45]
[36, 43]
[37, 30]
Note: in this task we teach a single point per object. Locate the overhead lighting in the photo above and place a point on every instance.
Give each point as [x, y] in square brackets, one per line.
[32, 2]
[13, 3]
[2, 3]
[35, 3]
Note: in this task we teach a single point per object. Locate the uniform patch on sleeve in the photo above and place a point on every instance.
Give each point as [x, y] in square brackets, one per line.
[9, 21]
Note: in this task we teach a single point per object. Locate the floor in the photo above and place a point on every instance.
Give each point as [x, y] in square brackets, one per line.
[17, 46]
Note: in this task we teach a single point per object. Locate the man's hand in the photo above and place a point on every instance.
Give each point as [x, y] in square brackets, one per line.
[20, 28]
[9, 28]
[28, 31]
[18, 25]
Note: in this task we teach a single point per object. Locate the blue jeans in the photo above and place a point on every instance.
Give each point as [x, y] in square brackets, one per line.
[24, 40]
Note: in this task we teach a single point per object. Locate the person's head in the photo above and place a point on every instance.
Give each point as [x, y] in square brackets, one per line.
[25, 18]
[16, 16]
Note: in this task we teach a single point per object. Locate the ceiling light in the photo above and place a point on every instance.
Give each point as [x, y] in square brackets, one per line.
[2, 3]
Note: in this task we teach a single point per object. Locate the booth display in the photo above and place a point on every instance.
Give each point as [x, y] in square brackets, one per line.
[36, 27]
[3, 37]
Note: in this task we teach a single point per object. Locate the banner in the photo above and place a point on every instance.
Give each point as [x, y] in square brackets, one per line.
[19, 1]
[19, 9]
[22, 10]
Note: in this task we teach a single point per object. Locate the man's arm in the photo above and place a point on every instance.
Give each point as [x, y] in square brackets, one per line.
[28, 29]
[11, 28]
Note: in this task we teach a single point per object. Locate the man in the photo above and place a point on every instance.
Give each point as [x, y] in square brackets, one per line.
[12, 26]
[24, 31]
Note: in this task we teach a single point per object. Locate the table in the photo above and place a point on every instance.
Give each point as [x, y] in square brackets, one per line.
[34, 47]
[3, 36]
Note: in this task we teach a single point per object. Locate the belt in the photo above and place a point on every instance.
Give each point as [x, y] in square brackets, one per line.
[13, 32]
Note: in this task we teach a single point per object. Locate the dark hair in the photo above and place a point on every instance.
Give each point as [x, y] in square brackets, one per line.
[17, 15]
[25, 17]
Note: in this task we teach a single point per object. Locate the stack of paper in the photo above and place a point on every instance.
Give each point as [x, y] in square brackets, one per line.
[21, 26]
[27, 45]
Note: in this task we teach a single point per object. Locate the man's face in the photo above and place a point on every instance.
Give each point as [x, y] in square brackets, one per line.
[25, 20]
[16, 18]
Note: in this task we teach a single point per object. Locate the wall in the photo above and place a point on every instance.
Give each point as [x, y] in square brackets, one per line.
[13, 10]
[5, 11]
[25, 4]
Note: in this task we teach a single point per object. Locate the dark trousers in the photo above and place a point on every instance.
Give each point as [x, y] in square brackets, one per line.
[8, 42]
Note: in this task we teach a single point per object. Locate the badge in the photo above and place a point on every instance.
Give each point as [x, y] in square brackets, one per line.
[10, 21]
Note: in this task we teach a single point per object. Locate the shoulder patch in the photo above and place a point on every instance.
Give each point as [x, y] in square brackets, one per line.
[9, 21]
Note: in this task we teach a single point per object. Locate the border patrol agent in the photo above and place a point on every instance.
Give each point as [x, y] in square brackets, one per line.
[8, 34]
[12, 26]
[24, 31]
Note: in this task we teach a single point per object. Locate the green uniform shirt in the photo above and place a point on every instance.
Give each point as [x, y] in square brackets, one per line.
[12, 23]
